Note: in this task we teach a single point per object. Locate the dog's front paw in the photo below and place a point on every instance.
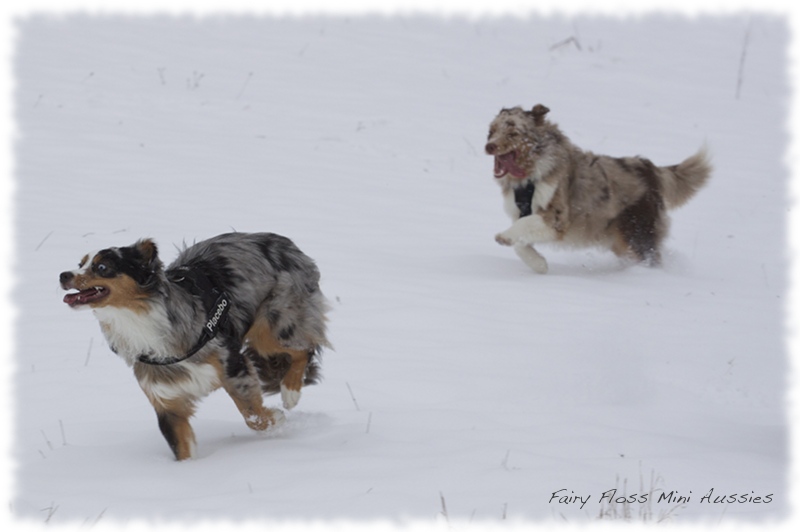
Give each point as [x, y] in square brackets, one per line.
[532, 258]
[503, 239]
[265, 419]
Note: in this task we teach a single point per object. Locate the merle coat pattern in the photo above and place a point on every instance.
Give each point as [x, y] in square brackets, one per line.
[268, 342]
[555, 192]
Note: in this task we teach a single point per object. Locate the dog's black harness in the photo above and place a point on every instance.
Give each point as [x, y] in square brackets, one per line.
[216, 302]
[523, 197]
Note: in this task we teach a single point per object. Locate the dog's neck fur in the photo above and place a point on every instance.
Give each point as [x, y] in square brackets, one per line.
[130, 333]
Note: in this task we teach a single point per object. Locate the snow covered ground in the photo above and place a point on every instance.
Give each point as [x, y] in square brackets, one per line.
[464, 387]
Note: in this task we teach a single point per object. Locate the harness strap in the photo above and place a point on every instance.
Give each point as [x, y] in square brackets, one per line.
[523, 197]
[215, 301]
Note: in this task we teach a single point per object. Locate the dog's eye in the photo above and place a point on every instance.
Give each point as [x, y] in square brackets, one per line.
[513, 134]
[103, 270]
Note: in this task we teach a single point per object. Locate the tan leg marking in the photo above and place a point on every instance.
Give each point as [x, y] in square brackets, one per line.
[173, 420]
[261, 338]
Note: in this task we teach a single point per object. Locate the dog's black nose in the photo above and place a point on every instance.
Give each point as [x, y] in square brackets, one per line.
[65, 277]
[490, 148]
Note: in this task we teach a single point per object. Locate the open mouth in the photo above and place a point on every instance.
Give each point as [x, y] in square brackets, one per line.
[507, 164]
[84, 297]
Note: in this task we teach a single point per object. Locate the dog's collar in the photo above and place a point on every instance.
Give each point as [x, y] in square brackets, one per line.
[523, 197]
[216, 302]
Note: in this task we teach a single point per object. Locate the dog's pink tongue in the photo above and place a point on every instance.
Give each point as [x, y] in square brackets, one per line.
[507, 164]
[72, 299]
[84, 296]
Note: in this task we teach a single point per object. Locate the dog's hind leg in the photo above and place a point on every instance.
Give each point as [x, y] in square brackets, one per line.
[641, 228]
[643, 225]
[294, 362]
[293, 380]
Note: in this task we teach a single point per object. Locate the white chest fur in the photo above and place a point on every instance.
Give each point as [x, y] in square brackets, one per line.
[198, 381]
[542, 195]
[131, 334]
[510, 205]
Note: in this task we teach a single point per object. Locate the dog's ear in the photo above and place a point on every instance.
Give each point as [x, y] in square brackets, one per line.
[148, 249]
[539, 111]
[150, 263]
[140, 261]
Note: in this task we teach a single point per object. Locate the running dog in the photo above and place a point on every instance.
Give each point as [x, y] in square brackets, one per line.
[556, 192]
[239, 311]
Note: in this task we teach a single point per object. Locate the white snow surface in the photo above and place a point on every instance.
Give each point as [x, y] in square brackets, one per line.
[463, 387]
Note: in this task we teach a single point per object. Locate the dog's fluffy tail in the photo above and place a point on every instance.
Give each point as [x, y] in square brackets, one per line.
[681, 181]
